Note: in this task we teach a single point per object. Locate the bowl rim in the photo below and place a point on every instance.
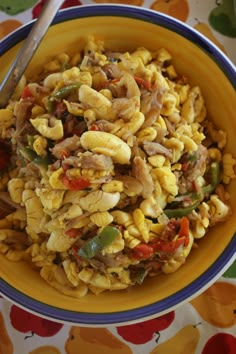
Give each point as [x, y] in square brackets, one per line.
[223, 261]
[159, 308]
[135, 12]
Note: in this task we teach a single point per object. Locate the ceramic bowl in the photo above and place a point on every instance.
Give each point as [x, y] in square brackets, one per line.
[127, 27]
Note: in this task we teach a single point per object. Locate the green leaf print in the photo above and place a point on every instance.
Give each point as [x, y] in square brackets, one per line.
[13, 7]
[223, 18]
[231, 272]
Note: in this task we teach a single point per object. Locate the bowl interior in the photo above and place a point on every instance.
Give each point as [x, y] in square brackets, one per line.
[127, 34]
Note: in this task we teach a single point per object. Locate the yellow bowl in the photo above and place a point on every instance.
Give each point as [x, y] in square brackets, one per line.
[124, 27]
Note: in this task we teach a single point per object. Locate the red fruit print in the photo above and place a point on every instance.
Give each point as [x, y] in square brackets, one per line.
[220, 343]
[70, 3]
[25, 322]
[67, 3]
[140, 333]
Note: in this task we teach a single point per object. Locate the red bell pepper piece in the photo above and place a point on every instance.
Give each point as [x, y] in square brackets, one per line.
[26, 93]
[142, 82]
[184, 230]
[76, 184]
[72, 233]
[94, 127]
[168, 247]
[142, 251]
[74, 252]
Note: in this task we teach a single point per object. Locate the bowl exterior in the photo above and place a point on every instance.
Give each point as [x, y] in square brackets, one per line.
[125, 28]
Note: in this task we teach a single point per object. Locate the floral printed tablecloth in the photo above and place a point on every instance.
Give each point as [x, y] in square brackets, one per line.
[207, 324]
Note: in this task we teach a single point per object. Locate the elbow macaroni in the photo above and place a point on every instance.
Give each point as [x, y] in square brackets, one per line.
[110, 142]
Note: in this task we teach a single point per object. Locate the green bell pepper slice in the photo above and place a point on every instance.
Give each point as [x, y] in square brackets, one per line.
[214, 177]
[66, 91]
[30, 155]
[179, 212]
[91, 247]
[214, 181]
[27, 153]
[140, 276]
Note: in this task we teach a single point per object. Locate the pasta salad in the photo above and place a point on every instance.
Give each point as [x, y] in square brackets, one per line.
[110, 169]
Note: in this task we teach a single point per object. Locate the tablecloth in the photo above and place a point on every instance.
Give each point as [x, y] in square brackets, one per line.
[205, 325]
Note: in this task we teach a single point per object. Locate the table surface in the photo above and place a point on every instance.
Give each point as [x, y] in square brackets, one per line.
[206, 325]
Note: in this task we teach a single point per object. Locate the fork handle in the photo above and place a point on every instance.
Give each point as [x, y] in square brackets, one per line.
[27, 50]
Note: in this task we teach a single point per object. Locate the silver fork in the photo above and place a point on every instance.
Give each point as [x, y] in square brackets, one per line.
[28, 49]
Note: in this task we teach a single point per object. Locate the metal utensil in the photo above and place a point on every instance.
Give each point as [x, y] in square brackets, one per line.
[28, 49]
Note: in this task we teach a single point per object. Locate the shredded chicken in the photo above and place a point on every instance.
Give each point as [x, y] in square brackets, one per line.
[6, 201]
[105, 125]
[68, 145]
[153, 148]
[97, 162]
[194, 170]
[22, 112]
[141, 172]
[151, 102]
[111, 70]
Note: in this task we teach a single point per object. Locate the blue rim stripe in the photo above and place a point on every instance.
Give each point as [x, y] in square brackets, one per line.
[229, 253]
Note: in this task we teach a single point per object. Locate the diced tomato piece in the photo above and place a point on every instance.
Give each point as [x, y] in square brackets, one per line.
[26, 93]
[142, 251]
[142, 82]
[72, 233]
[94, 127]
[76, 184]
